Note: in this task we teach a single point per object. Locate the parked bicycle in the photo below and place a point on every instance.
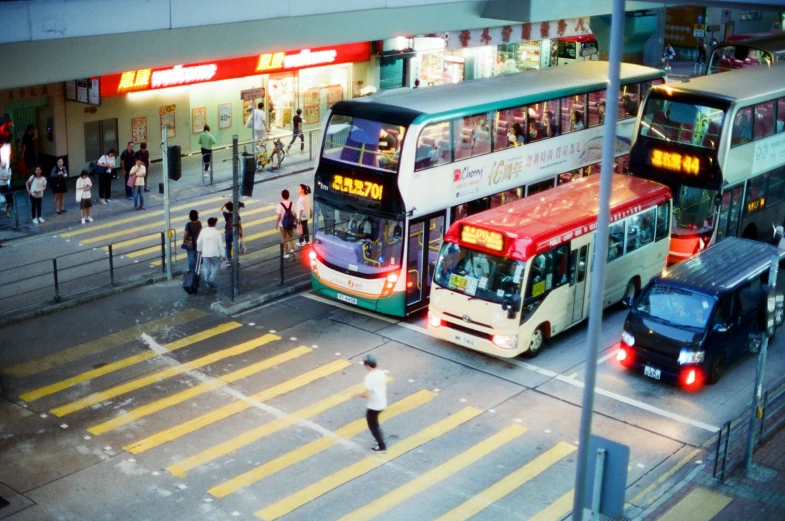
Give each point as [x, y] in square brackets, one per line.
[274, 160]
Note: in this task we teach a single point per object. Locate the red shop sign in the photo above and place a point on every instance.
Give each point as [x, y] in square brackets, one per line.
[189, 74]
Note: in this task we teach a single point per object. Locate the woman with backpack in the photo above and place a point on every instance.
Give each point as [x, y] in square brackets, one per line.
[286, 223]
[303, 215]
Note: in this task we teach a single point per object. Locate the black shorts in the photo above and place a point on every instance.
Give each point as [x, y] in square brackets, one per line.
[84, 204]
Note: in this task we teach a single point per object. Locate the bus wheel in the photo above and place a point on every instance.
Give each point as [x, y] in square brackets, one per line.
[538, 340]
[631, 290]
[751, 232]
[717, 368]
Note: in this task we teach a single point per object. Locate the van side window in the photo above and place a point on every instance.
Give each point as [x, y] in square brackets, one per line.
[724, 312]
[663, 220]
[749, 296]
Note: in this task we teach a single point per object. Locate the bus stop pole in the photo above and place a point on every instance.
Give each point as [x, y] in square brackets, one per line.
[600, 258]
[236, 215]
[167, 222]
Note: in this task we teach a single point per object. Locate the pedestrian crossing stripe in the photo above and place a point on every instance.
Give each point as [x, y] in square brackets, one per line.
[699, 505]
[297, 455]
[556, 510]
[159, 376]
[436, 475]
[222, 413]
[192, 392]
[158, 225]
[325, 485]
[505, 486]
[102, 344]
[135, 218]
[125, 362]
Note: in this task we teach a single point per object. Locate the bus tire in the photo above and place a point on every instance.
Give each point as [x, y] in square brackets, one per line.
[537, 343]
[632, 289]
[750, 232]
[716, 369]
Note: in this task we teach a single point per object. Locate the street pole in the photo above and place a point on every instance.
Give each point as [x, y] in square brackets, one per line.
[167, 223]
[600, 258]
[235, 216]
[764, 346]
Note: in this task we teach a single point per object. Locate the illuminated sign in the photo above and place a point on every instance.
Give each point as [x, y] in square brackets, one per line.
[675, 161]
[757, 204]
[189, 74]
[485, 238]
[358, 187]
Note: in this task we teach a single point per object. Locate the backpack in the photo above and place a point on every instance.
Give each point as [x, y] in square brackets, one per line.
[288, 220]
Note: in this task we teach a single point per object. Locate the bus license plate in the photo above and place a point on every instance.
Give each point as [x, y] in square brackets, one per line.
[651, 372]
[347, 299]
[464, 340]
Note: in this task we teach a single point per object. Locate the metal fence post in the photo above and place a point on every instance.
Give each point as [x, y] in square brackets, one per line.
[725, 452]
[235, 261]
[763, 417]
[212, 155]
[717, 455]
[280, 258]
[163, 252]
[15, 198]
[310, 146]
[111, 264]
[57, 282]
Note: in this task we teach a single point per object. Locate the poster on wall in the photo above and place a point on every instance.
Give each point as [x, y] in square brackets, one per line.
[311, 97]
[167, 119]
[198, 119]
[225, 115]
[334, 94]
[680, 25]
[139, 130]
[312, 115]
[247, 109]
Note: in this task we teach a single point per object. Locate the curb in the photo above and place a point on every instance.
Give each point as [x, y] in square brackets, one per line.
[252, 301]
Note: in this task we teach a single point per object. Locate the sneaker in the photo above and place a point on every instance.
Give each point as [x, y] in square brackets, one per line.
[108, 200]
[146, 189]
[285, 255]
[58, 213]
[130, 197]
[35, 221]
[90, 219]
[142, 208]
[83, 220]
[63, 211]
[380, 450]
[102, 201]
[41, 220]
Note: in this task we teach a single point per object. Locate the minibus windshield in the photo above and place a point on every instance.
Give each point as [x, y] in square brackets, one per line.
[478, 274]
[676, 306]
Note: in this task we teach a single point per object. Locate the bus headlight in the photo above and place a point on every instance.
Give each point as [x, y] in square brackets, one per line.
[506, 341]
[627, 338]
[434, 320]
[691, 357]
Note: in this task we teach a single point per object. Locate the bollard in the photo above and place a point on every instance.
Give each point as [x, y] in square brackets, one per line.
[57, 282]
[111, 265]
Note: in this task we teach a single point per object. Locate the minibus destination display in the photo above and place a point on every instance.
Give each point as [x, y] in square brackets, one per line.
[480, 237]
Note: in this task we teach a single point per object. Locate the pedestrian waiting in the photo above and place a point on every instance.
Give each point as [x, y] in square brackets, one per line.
[286, 223]
[192, 229]
[303, 215]
[228, 213]
[127, 161]
[35, 187]
[137, 175]
[209, 247]
[104, 169]
[59, 177]
[83, 196]
[5, 187]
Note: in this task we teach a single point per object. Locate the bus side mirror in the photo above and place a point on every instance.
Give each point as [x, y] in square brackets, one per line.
[511, 305]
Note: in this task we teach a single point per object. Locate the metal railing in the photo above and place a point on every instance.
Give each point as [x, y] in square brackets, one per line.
[53, 280]
[732, 436]
[17, 216]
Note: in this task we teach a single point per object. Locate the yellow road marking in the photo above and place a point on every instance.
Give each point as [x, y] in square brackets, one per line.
[135, 218]
[556, 510]
[323, 486]
[662, 479]
[191, 392]
[508, 484]
[698, 505]
[125, 362]
[435, 475]
[316, 446]
[156, 225]
[158, 376]
[102, 344]
[211, 417]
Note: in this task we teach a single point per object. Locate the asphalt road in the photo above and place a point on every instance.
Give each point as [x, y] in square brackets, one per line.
[145, 405]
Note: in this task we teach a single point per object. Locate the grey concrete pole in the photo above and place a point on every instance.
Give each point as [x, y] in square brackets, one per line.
[167, 223]
[235, 215]
[600, 257]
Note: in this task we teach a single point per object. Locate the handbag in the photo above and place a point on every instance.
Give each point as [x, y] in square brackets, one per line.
[241, 246]
[188, 243]
[131, 180]
[299, 228]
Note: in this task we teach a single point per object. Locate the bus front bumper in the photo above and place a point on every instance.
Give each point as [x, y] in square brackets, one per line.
[394, 305]
[476, 340]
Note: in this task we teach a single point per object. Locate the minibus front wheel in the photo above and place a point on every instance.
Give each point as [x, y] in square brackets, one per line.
[537, 342]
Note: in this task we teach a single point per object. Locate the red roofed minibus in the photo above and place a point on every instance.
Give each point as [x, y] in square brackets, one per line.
[510, 278]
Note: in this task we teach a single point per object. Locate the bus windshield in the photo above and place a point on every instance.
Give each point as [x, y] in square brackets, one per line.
[676, 306]
[364, 142]
[693, 210]
[480, 275]
[668, 120]
[357, 241]
[737, 56]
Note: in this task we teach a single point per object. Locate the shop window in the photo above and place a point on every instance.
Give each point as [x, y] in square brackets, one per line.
[597, 107]
[780, 114]
[663, 221]
[535, 130]
[539, 187]
[764, 120]
[472, 135]
[776, 191]
[573, 113]
[640, 230]
[548, 271]
[629, 100]
[569, 177]
[742, 127]
[615, 241]
[755, 199]
[434, 146]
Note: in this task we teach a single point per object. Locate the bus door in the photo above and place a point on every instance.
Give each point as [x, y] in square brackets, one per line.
[424, 242]
[730, 212]
[579, 283]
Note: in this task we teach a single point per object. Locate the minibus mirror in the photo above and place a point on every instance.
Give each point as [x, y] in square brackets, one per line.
[626, 302]
[511, 304]
[720, 327]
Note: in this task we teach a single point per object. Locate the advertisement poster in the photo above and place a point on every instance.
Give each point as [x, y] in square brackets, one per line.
[139, 130]
[94, 92]
[311, 97]
[198, 119]
[167, 119]
[311, 115]
[225, 115]
[247, 110]
[334, 94]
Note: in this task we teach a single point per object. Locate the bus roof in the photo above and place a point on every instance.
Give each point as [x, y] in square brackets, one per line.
[547, 219]
[731, 86]
[579, 38]
[773, 42]
[473, 96]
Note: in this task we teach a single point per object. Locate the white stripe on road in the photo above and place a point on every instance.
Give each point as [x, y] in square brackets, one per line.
[539, 370]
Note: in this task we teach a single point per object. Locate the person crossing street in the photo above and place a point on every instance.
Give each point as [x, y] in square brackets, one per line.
[376, 393]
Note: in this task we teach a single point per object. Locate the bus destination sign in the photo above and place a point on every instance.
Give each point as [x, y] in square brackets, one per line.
[675, 162]
[480, 237]
[357, 187]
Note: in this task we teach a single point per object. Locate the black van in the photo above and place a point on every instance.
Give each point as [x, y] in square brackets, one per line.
[691, 322]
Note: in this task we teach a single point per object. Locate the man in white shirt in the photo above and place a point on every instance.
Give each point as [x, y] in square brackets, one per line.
[258, 124]
[209, 247]
[376, 393]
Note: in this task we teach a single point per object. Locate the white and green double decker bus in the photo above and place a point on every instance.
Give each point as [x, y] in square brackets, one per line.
[396, 169]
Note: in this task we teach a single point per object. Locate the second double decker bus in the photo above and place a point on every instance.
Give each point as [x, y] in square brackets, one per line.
[718, 142]
[510, 278]
[397, 168]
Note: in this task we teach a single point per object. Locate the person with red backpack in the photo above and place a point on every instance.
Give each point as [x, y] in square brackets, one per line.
[286, 223]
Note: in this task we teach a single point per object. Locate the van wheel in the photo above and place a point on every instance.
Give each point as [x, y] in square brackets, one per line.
[717, 368]
[537, 341]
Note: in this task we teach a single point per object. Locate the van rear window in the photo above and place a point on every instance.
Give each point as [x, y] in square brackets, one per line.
[676, 306]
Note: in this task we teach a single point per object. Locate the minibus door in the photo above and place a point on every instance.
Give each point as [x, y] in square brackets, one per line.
[579, 258]
[424, 243]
